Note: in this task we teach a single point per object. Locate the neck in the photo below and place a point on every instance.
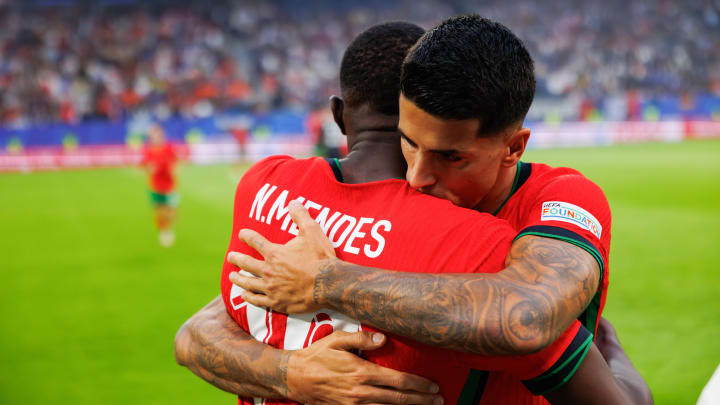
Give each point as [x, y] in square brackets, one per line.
[499, 192]
[374, 156]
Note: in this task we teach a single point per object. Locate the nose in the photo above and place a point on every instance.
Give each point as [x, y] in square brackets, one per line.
[420, 173]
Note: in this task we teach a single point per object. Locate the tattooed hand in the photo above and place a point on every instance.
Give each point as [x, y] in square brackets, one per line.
[285, 281]
[327, 373]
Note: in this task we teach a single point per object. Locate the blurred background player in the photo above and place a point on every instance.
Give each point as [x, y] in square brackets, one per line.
[240, 134]
[159, 159]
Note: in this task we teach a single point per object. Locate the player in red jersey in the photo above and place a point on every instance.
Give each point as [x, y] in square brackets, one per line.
[375, 147]
[159, 159]
[465, 90]
[375, 232]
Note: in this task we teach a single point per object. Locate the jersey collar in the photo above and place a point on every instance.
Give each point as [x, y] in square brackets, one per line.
[522, 173]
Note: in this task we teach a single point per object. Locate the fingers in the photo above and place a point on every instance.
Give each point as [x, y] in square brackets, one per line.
[402, 381]
[362, 340]
[250, 264]
[259, 300]
[301, 217]
[400, 384]
[252, 284]
[254, 289]
[388, 396]
[256, 241]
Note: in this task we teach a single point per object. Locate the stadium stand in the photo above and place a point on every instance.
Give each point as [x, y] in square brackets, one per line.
[80, 80]
[69, 61]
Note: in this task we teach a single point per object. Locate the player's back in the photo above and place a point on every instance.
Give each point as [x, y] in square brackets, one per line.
[382, 224]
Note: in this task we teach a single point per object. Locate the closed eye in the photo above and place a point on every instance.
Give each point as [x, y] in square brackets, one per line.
[450, 157]
[406, 139]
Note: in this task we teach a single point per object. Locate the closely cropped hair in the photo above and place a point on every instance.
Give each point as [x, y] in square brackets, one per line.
[470, 67]
[370, 68]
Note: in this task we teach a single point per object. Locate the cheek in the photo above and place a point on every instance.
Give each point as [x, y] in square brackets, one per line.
[471, 186]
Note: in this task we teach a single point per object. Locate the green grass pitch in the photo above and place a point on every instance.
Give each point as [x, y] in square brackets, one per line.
[89, 303]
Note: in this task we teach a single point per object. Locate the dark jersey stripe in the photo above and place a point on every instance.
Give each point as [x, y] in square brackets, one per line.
[564, 368]
[474, 386]
[556, 232]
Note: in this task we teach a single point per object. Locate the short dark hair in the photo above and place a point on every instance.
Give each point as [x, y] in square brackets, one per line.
[470, 67]
[370, 68]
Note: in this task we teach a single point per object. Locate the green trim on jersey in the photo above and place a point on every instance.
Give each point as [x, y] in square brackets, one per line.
[582, 351]
[513, 189]
[589, 316]
[559, 368]
[591, 312]
[590, 249]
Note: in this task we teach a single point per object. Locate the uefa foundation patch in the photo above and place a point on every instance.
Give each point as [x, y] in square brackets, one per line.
[566, 212]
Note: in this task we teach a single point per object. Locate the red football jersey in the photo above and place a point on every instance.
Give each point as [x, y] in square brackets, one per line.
[161, 160]
[382, 224]
[563, 204]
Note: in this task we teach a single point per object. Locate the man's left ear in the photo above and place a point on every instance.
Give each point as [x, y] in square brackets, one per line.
[515, 146]
[337, 107]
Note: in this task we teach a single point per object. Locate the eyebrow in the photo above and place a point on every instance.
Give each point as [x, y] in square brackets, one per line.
[439, 151]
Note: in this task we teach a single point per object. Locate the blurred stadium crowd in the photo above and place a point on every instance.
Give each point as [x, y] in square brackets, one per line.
[69, 61]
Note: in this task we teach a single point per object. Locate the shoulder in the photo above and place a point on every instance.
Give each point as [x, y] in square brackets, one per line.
[284, 170]
[271, 164]
[462, 223]
[544, 174]
[547, 181]
[559, 197]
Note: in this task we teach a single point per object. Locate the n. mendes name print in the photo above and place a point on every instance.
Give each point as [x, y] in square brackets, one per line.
[363, 235]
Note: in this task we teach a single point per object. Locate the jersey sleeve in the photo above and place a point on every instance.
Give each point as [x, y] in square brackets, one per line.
[573, 209]
[564, 367]
[542, 371]
[492, 246]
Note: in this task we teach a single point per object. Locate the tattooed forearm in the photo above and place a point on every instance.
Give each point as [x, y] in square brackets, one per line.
[547, 283]
[214, 348]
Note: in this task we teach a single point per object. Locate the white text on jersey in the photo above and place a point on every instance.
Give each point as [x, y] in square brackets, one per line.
[342, 229]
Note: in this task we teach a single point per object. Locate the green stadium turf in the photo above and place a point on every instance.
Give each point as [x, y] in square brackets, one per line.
[90, 303]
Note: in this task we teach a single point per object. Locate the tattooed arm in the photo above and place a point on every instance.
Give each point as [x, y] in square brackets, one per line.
[546, 284]
[216, 349]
